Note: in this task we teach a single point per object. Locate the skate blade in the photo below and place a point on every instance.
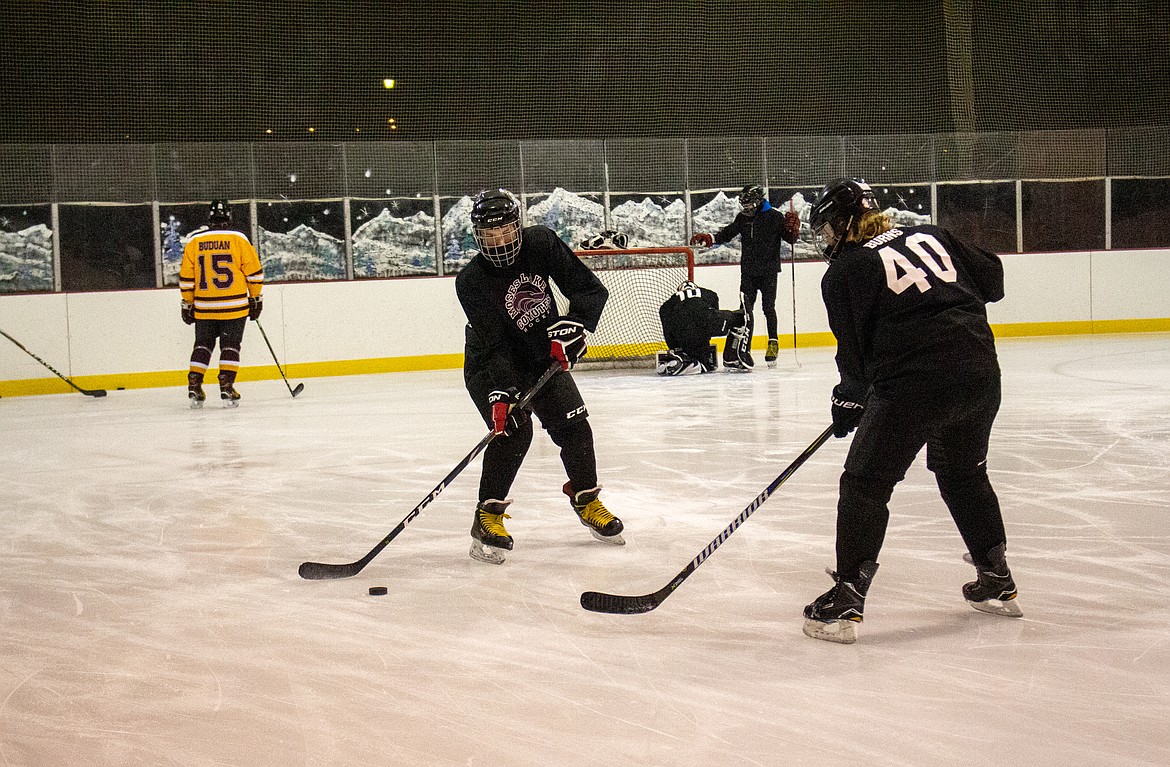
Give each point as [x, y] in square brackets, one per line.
[1007, 608]
[771, 363]
[841, 632]
[231, 403]
[488, 554]
[616, 540]
[196, 404]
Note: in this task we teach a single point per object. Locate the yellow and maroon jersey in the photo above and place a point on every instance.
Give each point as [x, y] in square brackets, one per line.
[220, 271]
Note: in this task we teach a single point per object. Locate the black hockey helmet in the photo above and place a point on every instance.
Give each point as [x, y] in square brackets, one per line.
[219, 213]
[838, 207]
[495, 224]
[751, 199]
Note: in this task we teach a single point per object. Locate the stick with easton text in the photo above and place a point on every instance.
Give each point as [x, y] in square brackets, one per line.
[633, 605]
[300, 387]
[319, 571]
[86, 392]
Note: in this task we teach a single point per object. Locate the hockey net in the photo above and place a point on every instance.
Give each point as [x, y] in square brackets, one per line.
[639, 280]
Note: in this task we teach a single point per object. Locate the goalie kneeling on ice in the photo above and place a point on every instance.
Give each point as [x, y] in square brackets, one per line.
[690, 318]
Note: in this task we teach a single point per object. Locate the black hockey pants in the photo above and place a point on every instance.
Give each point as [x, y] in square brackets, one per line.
[955, 428]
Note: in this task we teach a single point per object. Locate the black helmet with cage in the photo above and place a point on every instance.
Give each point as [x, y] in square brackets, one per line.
[751, 199]
[838, 208]
[495, 224]
[219, 213]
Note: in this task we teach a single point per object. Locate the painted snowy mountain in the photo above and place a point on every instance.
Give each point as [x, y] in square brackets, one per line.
[650, 225]
[458, 242]
[573, 217]
[301, 254]
[26, 259]
[388, 246]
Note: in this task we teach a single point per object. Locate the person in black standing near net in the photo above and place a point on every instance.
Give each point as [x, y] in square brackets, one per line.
[918, 367]
[762, 230]
[514, 334]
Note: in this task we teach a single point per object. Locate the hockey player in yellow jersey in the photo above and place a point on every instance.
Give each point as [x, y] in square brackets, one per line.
[220, 280]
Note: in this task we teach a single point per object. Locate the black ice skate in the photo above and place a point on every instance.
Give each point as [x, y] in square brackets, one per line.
[836, 615]
[772, 353]
[195, 391]
[229, 396]
[489, 539]
[593, 514]
[993, 591]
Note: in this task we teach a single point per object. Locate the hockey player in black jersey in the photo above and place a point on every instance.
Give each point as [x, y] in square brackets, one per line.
[514, 332]
[762, 231]
[917, 367]
[690, 317]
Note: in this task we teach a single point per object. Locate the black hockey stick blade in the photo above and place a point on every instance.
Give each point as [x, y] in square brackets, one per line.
[323, 571]
[86, 392]
[617, 604]
[301, 386]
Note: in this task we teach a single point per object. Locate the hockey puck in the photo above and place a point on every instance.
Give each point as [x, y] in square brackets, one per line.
[377, 591]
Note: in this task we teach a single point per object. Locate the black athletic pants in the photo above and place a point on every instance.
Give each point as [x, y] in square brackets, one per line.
[955, 427]
[765, 285]
[563, 415]
[230, 334]
[695, 339]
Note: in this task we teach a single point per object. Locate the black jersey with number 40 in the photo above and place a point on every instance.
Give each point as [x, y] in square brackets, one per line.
[908, 309]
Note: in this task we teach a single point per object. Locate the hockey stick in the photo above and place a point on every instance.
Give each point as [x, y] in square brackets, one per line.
[86, 392]
[320, 571]
[792, 268]
[300, 387]
[630, 605]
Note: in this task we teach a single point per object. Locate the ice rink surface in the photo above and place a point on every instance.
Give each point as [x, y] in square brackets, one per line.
[151, 612]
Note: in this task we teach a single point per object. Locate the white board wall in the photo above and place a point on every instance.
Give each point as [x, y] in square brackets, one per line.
[84, 334]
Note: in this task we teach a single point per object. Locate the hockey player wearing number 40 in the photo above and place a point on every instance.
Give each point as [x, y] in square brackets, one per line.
[917, 367]
[514, 333]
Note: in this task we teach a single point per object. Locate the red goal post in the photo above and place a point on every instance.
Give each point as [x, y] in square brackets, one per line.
[639, 280]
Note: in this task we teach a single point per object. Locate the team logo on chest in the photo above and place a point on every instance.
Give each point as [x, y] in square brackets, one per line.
[527, 300]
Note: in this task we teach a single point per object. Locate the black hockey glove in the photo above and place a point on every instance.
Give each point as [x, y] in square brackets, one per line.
[506, 418]
[567, 345]
[255, 306]
[846, 413]
[188, 313]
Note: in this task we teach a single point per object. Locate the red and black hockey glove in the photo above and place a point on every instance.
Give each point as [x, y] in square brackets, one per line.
[791, 227]
[566, 342]
[187, 311]
[702, 240]
[846, 413]
[506, 417]
[255, 306]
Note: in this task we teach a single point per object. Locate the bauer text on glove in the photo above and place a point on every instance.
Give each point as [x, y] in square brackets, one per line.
[846, 413]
